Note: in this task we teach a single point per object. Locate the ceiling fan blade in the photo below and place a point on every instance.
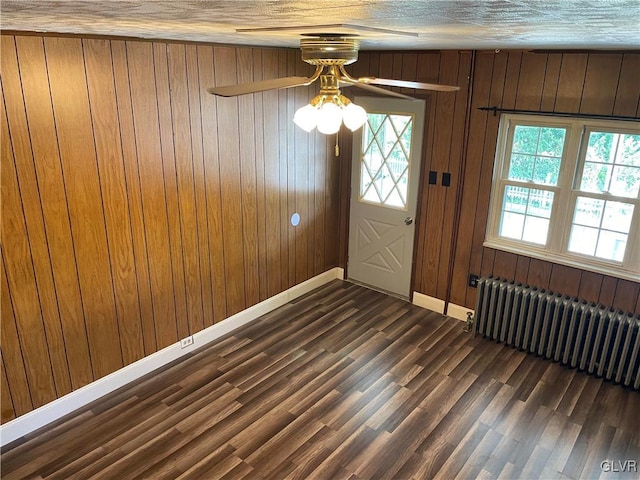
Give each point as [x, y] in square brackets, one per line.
[408, 84]
[261, 86]
[374, 89]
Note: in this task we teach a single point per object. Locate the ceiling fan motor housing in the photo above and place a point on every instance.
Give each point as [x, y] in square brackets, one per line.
[329, 50]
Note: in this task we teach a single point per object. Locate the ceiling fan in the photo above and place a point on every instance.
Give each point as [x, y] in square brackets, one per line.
[329, 53]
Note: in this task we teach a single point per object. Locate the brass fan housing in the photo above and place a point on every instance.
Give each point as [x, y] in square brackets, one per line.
[329, 50]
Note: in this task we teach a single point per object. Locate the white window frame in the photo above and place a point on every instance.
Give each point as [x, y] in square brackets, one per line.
[565, 196]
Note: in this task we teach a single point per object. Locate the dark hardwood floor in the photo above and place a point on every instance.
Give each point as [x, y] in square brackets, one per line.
[346, 383]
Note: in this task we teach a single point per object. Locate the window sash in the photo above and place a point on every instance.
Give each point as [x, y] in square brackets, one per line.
[566, 193]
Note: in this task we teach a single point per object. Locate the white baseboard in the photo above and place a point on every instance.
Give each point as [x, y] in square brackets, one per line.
[62, 406]
[457, 311]
[437, 305]
[430, 303]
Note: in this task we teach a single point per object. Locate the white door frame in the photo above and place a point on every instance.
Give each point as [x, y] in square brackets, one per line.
[381, 245]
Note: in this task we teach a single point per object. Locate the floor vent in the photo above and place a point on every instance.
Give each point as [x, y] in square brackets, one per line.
[573, 332]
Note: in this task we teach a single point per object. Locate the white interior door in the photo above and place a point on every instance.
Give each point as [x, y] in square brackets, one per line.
[384, 193]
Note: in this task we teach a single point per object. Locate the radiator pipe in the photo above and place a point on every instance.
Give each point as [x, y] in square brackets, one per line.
[469, 322]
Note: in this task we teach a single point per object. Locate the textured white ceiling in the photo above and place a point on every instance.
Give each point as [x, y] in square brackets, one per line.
[432, 24]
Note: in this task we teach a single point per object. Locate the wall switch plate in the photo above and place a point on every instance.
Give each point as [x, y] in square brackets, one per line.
[446, 179]
[433, 177]
[473, 280]
[185, 342]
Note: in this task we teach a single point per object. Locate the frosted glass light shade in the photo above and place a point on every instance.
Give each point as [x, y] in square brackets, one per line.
[329, 118]
[306, 117]
[354, 116]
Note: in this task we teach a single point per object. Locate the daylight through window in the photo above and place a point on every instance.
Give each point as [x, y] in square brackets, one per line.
[568, 190]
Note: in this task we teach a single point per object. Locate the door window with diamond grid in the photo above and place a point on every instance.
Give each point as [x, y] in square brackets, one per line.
[386, 151]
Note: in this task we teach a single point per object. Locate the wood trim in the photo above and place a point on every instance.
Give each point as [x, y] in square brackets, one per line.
[430, 303]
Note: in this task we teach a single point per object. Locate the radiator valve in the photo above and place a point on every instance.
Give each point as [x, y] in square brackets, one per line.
[469, 322]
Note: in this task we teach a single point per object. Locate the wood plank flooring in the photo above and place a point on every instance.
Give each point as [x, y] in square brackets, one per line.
[346, 383]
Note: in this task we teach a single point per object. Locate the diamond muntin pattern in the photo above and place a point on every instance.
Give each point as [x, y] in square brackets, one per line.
[385, 159]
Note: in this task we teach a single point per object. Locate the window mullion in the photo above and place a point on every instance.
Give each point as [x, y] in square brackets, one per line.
[563, 208]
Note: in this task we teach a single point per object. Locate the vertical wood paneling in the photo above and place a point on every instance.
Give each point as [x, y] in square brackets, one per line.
[626, 295]
[283, 146]
[522, 269]
[69, 97]
[104, 118]
[532, 80]
[194, 90]
[8, 411]
[33, 137]
[272, 174]
[455, 168]
[442, 117]
[608, 290]
[504, 67]
[552, 73]
[248, 182]
[304, 187]
[139, 209]
[261, 212]
[150, 174]
[590, 285]
[172, 199]
[539, 273]
[12, 351]
[213, 191]
[570, 82]
[21, 284]
[427, 70]
[462, 250]
[300, 186]
[488, 260]
[336, 200]
[133, 192]
[600, 84]
[230, 181]
[34, 229]
[504, 264]
[627, 97]
[183, 149]
[289, 68]
[565, 280]
[319, 244]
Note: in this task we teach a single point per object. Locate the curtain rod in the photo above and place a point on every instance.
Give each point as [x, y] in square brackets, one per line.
[495, 111]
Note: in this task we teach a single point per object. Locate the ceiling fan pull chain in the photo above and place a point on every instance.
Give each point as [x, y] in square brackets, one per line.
[337, 146]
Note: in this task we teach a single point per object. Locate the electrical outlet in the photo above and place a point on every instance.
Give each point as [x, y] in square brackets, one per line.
[185, 342]
[473, 280]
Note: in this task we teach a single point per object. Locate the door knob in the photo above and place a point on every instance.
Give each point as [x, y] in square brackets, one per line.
[408, 221]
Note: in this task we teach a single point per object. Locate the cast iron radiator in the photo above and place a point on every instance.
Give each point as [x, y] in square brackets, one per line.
[573, 332]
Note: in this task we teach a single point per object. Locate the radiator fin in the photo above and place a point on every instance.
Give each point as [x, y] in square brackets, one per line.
[573, 332]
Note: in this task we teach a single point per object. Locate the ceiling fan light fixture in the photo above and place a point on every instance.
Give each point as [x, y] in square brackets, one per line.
[327, 112]
[329, 118]
[354, 116]
[306, 117]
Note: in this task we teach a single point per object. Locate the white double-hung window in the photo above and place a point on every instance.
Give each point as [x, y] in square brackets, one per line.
[568, 191]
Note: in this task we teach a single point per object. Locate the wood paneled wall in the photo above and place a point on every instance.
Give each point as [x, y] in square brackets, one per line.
[461, 139]
[137, 209]
[597, 84]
